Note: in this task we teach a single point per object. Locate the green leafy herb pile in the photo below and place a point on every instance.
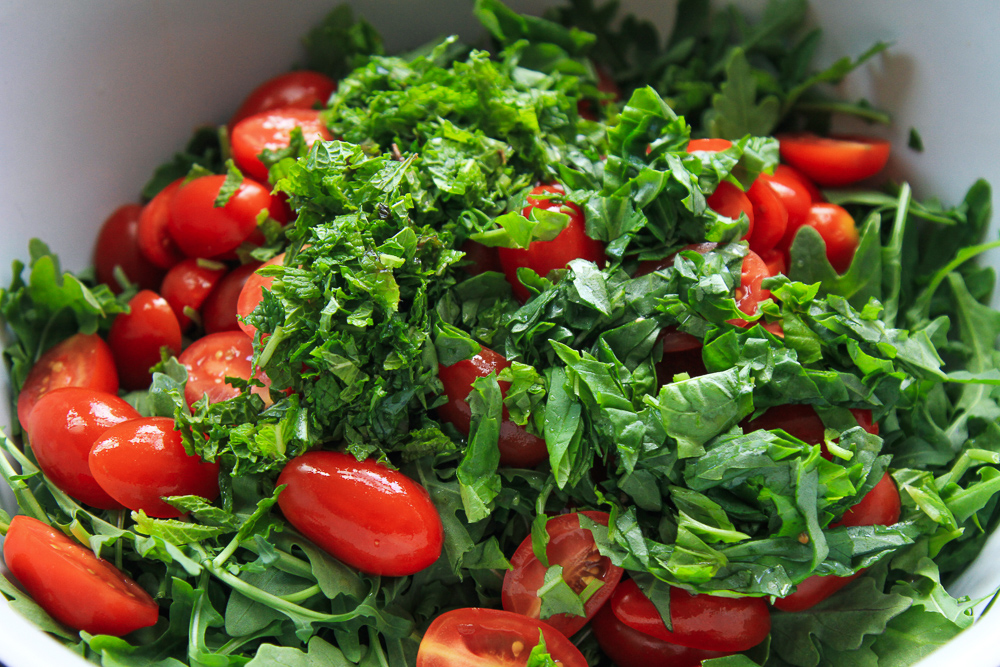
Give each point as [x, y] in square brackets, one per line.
[442, 146]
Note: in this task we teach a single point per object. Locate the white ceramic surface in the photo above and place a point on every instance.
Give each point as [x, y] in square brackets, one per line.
[94, 94]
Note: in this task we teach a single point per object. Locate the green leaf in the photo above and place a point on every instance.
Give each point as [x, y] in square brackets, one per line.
[735, 109]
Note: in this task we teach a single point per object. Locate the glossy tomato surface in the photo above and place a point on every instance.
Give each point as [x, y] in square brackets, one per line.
[72, 584]
[370, 517]
[834, 161]
[574, 549]
[118, 246]
[210, 360]
[188, 284]
[253, 292]
[136, 338]
[219, 310]
[303, 89]
[790, 187]
[730, 201]
[839, 232]
[140, 461]
[631, 648]
[64, 426]
[201, 229]
[770, 217]
[474, 637]
[709, 145]
[750, 291]
[272, 130]
[155, 242]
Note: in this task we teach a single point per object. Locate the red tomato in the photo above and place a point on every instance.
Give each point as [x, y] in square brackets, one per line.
[631, 648]
[303, 89]
[273, 130]
[770, 218]
[605, 84]
[72, 584]
[802, 422]
[700, 621]
[83, 360]
[572, 547]
[137, 336]
[837, 228]
[651, 265]
[794, 192]
[681, 354]
[491, 638]
[203, 230]
[218, 311]
[834, 161]
[518, 448]
[253, 292]
[212, 358]
[750, 293]
[155, 241]
[545, 256]
[64, 426]
[362, 513]
[776, 262]
[480, 258]
[140, 461]
[730, 201]
[188, 284]
[118, 245]
[709, 145]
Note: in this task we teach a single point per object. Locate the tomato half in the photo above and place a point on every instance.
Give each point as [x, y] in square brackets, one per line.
[201, 229]
[838, 230]
[136, 338]
[72, 584]
[802, 422]
[212, 358]
[491, 638]
[518, 448]
[272, 130]
[253, 292]
[118, 245]
[730, 201]
[834, 161]
[681, 354]
[82, 360]
[770, 217]
[699, 621]
[64, 426]
[749, 294]
[219, 310]
[140, 461]
[574, 549]
[708, 145]
[303, 89]
[362, 513]
[792, 189]
[188, 284]
[155, 241]
[631, 648]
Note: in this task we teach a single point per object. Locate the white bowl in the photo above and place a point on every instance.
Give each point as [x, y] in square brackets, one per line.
[95, 94]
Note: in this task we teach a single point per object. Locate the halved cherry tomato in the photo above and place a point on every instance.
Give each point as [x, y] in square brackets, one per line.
[545, 256]
[361, 512]
[802, 422]
[480, 258]
[212, 358]
[709, 145]
[72, 584]
[750, 293]
[219, 310]
[776, 262]
[681, 354]
[699, 621]
[82, 360]
[140, 461]
[834, 161]
[303, 89]
[795, 192]
[574, 549]
[730, 201]
[188, 284]
[253, 292]
[770, 218]
[272, 130]
[631, 648]
[838, 230]
[155, 241]
[136, 338]
[118, 245]
[491, 638]
[518, 448]
[64, 426]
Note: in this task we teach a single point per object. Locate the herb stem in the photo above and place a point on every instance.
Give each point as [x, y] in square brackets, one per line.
[304, 594]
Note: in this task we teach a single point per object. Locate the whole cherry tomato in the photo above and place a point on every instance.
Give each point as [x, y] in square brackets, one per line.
[631, 648]
[63, 428]
[118, 245]
[253, 292]
[795, 192]
[574, 549]
[361, 512]
[834, 161]
[212, 358]
[72, 584]
[219, 310]
[518, 448]
[155, 242]
[303, 89]
[140, 461]
[750, 293]
[776, 262]
[272, 130]
[838, 230]
[491, 638]
[770, 217]
[188, 284]
[136, 338]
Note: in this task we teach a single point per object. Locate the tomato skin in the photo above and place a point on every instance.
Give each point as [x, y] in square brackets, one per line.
[776, 262]
[136, 337]
[188, 284]
[709, 145]
[72, 584]
[769, 214]
[518, 448]
[302, 89]
[370, 517]
[219, 310]
[64, 426]
[202, 230]
[730, 201]
[252, 293]
[545, 256]
[474, 637]
[210, 359]
[802, 422]
[631, 648]
[750, 293]
[155, 241]
[272, 130]
[572, 547]
[834, 161]
[82, 360]
[838, 230]
[795, 193]
[118, 245]
[480, 258]
[700, 621]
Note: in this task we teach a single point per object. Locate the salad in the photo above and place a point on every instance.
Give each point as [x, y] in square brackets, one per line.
[546, 354]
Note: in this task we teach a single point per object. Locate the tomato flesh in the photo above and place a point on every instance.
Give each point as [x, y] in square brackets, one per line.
[136, 338]
[631, 648]
[834, 161]
[118, 246]
[272, 130]
[212, 358]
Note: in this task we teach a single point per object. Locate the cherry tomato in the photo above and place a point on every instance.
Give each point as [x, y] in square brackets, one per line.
[709, 145]
[776, 262]
[203, 230]
[631, 648]
[518, 448]
[572, 547]
[253, 292]
[188, 284]
[480, 258]
[118, 245]
[136, 338]
[700, 621]
[212, 358]
[681, 354]
[545, 256]
[362, 513]
[837, 228]
[491, 638]
[770, 218]
[303, 89]
[605, 84]
[802, 422]
[834, 161]
[730, 201]
[72, 584]
[795, 194]
[273, 130]
[140, 461]
[750, 293]
[650, 265]
[218, 311]
[83, 360]
[64, 426]
[155, 241]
